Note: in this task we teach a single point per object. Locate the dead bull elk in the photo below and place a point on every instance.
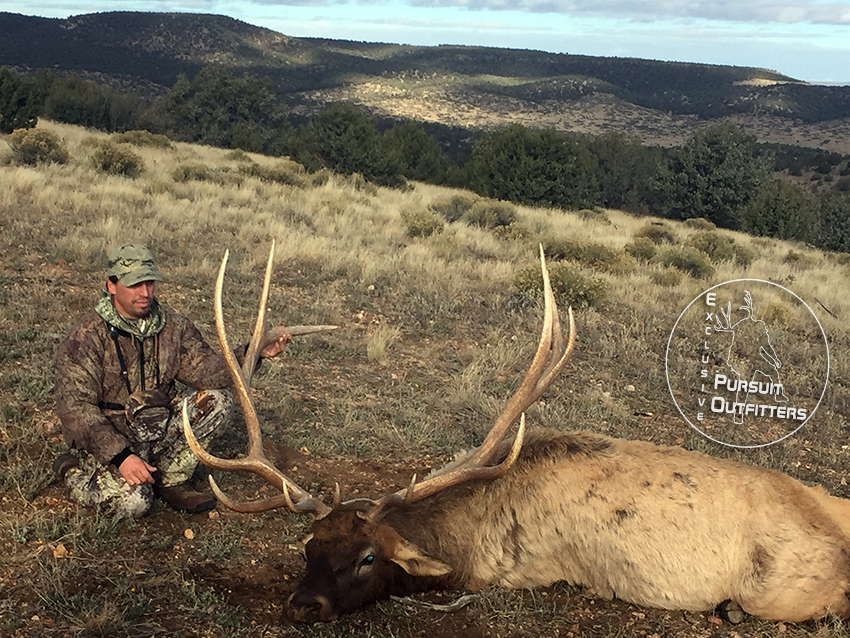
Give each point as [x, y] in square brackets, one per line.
[657, 526]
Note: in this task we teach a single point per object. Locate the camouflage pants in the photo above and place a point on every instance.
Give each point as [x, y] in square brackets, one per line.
[93, 484]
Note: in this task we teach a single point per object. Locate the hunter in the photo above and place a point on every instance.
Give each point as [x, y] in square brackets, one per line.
[118, 402]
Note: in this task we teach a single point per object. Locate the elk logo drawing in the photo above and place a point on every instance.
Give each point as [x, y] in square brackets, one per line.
[750, 375]
[751, 357]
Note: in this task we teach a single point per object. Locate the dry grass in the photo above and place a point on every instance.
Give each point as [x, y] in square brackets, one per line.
[433, 338]
[378, 342]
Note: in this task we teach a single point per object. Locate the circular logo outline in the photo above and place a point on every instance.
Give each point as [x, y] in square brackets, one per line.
[667, 363]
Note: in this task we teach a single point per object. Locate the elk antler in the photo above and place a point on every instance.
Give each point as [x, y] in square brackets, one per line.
[292, 496]
[748, 304]
[548, 361]
[724, 324]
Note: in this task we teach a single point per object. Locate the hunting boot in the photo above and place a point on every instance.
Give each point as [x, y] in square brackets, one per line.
[63, 463]
[182, 498]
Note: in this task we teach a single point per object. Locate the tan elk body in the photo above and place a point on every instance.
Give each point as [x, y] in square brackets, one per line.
[653, 525]
[656, 526]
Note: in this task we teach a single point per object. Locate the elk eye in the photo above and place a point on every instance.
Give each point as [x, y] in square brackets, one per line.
[367, 561]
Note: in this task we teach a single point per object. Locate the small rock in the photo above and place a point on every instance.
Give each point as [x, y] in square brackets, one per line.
[630, 388]
[189, 534]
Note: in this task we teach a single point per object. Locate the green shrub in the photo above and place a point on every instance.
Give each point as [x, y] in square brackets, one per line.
[799, 260]
[623, 264]
[668, 277]
[286, 172]
[490, 214]
[512, 232]
[37, 146]
[112, 159]
[319, 178]
[238, 155]
[657, 232]
[570, 286]
[641, 248]
[744, 256]
[421, 223]
[776, 315]
[361, 184]
[452, 207]
[142, 138]
[201, 173]
[700, 223]
[91, 142]
[596, 215]
[192, 173]
[718, 247]
[582, 251]
[687, 259]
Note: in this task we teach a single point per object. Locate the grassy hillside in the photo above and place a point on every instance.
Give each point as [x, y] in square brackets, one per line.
[434, 336]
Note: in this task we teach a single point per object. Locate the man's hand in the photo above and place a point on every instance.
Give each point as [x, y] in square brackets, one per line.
[277, 346]
[136, 470]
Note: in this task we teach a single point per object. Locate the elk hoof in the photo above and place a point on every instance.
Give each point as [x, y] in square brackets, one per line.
[730, 611]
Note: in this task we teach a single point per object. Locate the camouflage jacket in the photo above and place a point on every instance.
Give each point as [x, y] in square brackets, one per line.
[91, 392]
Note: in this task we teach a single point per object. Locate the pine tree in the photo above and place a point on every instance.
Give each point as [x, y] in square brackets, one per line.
[19, 103]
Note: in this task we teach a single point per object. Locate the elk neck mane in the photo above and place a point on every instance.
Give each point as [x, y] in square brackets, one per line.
[541, 445]
[442, 524]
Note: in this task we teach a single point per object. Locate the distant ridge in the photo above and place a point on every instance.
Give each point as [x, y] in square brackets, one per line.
[455, 85]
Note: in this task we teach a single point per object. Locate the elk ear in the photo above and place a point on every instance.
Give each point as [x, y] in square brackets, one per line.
[411, 559]
[408, 556]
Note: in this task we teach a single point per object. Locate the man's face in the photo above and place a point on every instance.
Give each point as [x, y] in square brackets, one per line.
[133, 302]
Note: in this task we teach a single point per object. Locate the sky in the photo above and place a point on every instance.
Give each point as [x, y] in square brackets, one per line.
[806, 39]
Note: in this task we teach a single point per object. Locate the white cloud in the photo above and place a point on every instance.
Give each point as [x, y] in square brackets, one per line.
[741, 11]
[800, 11]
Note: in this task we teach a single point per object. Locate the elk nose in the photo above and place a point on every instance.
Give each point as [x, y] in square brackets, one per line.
[306, 607]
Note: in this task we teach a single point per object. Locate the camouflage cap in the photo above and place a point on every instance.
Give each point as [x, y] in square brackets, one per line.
[132, 264]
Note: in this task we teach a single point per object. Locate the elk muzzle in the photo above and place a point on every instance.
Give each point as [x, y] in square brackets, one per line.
[316, 597]
[305, 607]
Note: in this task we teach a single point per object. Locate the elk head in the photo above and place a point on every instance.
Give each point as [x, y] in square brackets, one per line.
[354, 556]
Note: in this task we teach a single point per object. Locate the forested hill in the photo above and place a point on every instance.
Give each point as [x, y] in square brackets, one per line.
[147, 51]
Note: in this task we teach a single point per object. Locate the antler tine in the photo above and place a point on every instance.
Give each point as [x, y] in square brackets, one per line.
[255, 461]
[254, 347]
[261, 466]
[469, 471]
[240, 383]
[549, 360]
[305, 506]
[539, 376]
[463, 474]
